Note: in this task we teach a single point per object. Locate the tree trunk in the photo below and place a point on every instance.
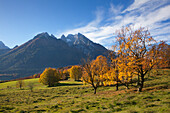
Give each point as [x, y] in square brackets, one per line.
[141, 84]
[127, 86]
[95, 88]
[102, 83]
[131, 80]
[138, 82]
[117, 86]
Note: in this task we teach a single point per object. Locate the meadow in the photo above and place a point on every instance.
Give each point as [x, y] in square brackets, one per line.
[73, 97]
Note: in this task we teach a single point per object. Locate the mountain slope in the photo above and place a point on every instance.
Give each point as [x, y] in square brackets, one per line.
[3, 51]
[35, 55]
[44, 51]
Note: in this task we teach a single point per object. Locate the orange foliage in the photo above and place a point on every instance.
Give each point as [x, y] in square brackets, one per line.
[138, 53]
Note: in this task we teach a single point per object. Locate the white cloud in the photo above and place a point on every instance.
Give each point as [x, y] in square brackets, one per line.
[164, 38]
[137, 4]
[145, 13]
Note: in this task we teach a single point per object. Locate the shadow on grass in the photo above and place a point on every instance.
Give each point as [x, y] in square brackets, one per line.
[67, 84]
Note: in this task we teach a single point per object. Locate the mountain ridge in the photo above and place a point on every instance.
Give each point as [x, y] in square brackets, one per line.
[3, 46]
[42, 51]
[81, 42]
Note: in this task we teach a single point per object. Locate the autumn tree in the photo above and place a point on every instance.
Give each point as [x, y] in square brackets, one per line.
[120, 71]
[93, 72]
[75, 72]
[112, 77]
[49, 77]
[100, 67]
[66, 74]
[139, 46]
[126, 69]
[164, 53]
[36, 75]
[20, 84]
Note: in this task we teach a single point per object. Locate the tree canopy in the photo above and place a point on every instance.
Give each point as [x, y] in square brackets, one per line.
[49, 77]
[75, 72]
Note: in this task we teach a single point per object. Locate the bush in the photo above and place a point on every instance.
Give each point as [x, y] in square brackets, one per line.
[49, 77]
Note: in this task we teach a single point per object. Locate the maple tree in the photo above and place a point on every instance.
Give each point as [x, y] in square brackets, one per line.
[49, 77]
[140, 49]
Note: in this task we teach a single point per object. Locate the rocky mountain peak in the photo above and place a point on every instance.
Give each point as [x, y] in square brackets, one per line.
[53, 36]
[42, 35]
[82, 43]
[3, 46]
[63, 37]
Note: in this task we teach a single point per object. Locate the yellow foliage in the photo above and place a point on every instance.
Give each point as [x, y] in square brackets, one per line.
[94, 73]
[49, 77]
[137, 54]
[76, 72]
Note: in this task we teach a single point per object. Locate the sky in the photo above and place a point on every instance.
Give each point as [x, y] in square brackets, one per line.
[21, 20]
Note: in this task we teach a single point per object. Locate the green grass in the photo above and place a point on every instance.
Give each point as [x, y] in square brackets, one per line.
[73, 97]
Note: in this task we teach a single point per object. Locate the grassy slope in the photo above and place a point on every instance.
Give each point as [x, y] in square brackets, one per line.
[74, 97]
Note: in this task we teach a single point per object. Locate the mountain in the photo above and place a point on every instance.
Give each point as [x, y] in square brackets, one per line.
[82, 43]
[3, 51]
[43, 51]
[2, 45]
[3, 48]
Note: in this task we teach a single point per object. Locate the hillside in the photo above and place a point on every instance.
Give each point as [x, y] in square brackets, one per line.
[74, 97]
[3, 51]
[43, 51]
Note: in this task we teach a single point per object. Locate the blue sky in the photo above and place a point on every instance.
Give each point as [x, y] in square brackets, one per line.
[21, 20]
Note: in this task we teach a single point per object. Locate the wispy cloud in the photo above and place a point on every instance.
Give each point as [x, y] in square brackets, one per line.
[136, 5]
[153, 14]
[114, 10]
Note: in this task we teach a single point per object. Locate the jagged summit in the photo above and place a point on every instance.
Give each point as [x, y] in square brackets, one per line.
[3, 46]
[53, 36]
[43, 35]
[82, 43]
[63, 37]
[76, 39]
